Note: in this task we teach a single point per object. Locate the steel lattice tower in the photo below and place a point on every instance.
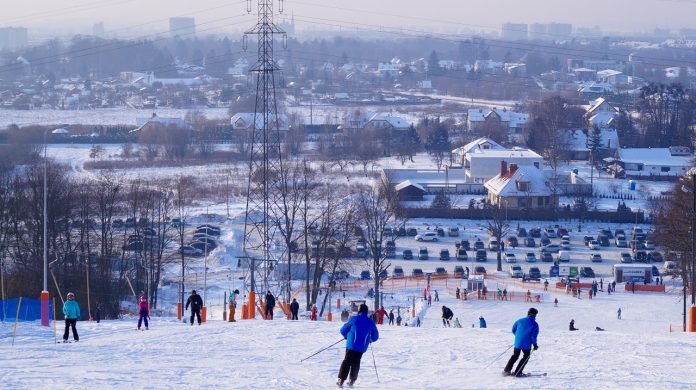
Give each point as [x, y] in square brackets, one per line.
[265, 160]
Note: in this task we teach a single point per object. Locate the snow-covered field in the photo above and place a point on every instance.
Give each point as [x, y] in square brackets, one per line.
[103, 116]
[636, 352]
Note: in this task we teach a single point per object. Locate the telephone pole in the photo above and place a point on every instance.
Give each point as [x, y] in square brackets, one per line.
[265, 160]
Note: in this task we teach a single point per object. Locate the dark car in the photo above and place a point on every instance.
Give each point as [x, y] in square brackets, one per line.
[150, 232]
[512, 241]
[400, 231]
[206, 239]
[398, 272]
[423, 253]
[365, 275]
[440, 271]
[411, 232]
[417, 272]
[562, 232]
[188, 250]
[587, 240]
[388, 232]
[408, 254]
[130, 222]
[535, 232]
[546, 257]
[440, 232]
[462, 255]
[208, 231]
[619, 232]
[458, 271]
[135, 246]
[603, 240]
[521, 232]
[118, 224]
[529, 242]
[655, 257]
[587, 272]
[481, 255]
[606, 232]
[464, 244]
[479, 270]
[479, 244]
[544, 241]
[202, 246]
[534, 273]
[640, 257]
[383, 274]
[444, 254]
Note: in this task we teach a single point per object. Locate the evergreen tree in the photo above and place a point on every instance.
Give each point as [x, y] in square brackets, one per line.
[441, 201]
[594, 141]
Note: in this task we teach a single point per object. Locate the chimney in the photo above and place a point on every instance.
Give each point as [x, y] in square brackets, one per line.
[503, 168]
[513, 169]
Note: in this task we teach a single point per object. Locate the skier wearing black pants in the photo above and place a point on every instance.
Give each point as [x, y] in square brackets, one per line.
[196, 303]
[526, 331]
[359, 332]
[294, 309]
[270, 304]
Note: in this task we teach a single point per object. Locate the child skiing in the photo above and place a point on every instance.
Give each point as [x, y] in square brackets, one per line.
[232, 304]
[71, 313]
[144, 311]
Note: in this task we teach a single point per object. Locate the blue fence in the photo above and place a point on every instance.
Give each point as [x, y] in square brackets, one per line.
[29, 311]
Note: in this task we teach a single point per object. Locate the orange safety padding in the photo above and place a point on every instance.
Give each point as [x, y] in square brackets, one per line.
[692, 318]
[178, 311]
[245, 311]
[644, 287]
[204, 312]
[251, 305]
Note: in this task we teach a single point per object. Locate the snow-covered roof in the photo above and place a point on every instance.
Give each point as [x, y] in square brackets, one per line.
[654, 156]
[178, 122]
[578, 139]
[506, 185]
[408, 183]
[593, 87]
[244, 120]
[602, 119]
[608, 73]
[514, 119]
[483, 143]
[504, 153]
[394, 121]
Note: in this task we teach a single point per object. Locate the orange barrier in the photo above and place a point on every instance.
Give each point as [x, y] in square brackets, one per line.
[644, 287]
[178, 312]
[575, 285]
[204, 312]
[245, 311]
[251, 305]
[692, 319]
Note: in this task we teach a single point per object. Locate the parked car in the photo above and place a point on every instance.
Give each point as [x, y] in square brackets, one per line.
[365, 275]
[596, 258]
[440, 232]
[479, 244]
[534, 273]
[388, 232]
[546, 257]
[640, 257]
[417, 272]
[426, 236]
[529, 242]
[619, 232]
[188, 250]
[440, 271]
[669, 267]
[481, 255]
[493, 245]
[530, 258]
[563, 257]
[603, 240]
[458, 271]
[461, 255]
[383, 274]
[208, 226]
[464, 244]
[521, 232]
[587, 272]
[552, 248]
[479, 270]
[118, 224]
[444, 254]
[398, 272]
[512, 241]
[130, 222]
[648, 245]
[208, 231]
[655, 257]
[587, 240]
[621, 242]
[626, 257]
[606, 232]
[510, 258]
[565, 245]
[212, 243]
[594, 245]
[411, 232]
[543, 241]
[535, 232]
[453, 231]
[515, 271]
[562, 231]
[408, 254]
[202, 246]
[423, 253]
[550, 232]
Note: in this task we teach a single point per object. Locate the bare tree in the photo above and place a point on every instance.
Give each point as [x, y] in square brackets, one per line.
[497, 226]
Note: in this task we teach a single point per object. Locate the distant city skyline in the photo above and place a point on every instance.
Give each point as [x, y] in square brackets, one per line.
[122, 16]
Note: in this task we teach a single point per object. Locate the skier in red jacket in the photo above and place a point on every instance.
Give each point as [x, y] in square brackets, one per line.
[144, 310]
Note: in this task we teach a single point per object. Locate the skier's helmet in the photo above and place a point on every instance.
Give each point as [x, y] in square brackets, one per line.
[71, 295]
[532, 312]
[143, 299]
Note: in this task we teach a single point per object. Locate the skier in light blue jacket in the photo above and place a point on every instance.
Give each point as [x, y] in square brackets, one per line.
[71, 313]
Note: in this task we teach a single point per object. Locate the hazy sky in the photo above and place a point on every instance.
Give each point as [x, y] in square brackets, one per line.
[216, 15]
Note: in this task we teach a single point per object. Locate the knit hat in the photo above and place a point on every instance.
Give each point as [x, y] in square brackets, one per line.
[532, 312]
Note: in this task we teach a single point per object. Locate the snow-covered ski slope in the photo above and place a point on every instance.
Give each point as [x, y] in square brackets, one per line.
[637, 352]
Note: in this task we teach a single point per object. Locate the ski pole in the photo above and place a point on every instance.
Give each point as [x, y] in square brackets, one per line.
[374, 362]
[499, 356]
[321, 350]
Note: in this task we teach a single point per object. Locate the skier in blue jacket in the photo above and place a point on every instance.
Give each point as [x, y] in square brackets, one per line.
[482, 322]
[71, 313]
[526, 331]
[359, 332]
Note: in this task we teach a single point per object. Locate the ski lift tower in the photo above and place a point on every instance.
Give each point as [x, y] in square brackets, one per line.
[265, 158]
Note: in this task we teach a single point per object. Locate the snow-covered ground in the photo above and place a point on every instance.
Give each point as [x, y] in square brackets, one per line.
[103, 116]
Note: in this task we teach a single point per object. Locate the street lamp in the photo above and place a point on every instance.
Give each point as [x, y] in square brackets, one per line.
[691, 174]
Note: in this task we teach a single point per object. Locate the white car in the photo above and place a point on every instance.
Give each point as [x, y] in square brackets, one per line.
[510, 258]
[596, 258]
[516, 271]
[649, 245]
[565, 245]
[594, 245]
[426, 236]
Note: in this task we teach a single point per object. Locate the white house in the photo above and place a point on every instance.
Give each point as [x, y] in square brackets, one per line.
[578, 147]
[387, 122]
[244, 121]
[520, 187]
[482, 164]
[656, 162]
[483, 143]
[166, 122]
[479, 118]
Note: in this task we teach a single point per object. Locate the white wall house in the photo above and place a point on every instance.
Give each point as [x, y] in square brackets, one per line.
[482, 165]
[656, 162]
[520, 187]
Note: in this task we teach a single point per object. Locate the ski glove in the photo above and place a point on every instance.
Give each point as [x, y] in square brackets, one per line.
[536, 347]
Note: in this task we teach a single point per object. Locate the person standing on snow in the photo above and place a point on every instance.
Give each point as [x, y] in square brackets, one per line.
[270, 304]
[196, 303]
[430, 300]
[144, 311]
[359, 332]
[447, 316]
[232, 304]
[391, 317]
[398, 320]
[380, 315]
[314, 316]
[71, 313]
[526, 331]
[295, 309]
[618, 314]
[418, 322]
[456, 293]
[482, 322]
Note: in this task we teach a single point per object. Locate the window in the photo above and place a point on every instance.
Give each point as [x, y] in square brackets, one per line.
[536, 165]
[523, 186]
[540, 201]
[664, 169]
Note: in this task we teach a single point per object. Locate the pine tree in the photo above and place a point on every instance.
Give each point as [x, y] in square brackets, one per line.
[441, 201]
[594, 141]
